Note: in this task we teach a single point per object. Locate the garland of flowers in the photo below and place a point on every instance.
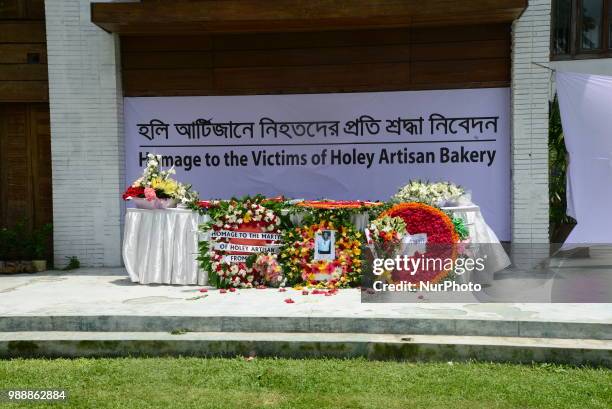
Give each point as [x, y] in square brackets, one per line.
[422, 218]
[297, 255]
[338, 204]
[441, 238]
[248, 213]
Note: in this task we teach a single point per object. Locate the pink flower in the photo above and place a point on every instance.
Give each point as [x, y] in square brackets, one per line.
[150, 194]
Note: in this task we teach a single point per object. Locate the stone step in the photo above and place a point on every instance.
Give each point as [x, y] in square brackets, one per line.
[310, 324]
[307, 345]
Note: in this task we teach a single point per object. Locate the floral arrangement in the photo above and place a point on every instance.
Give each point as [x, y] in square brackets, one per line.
[297, 256]
[156, 183]
[442, 238]
[387, 229]
[249, 214]
[385, 235]
[270, 271]
[436, 194]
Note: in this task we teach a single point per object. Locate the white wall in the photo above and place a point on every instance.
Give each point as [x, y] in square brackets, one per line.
[530, 92]
[86, 135]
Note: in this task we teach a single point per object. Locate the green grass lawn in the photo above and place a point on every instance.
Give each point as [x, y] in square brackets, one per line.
[281, 383]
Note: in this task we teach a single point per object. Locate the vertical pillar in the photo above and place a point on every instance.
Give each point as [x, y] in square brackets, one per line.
[86, 110]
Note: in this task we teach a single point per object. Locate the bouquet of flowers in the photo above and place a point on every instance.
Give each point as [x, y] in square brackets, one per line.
[270, 270]
[433, 194]
[385, 235]
[156, 183]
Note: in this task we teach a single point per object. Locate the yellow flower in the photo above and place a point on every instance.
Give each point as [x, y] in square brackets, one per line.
[168, 186]
[246, 218]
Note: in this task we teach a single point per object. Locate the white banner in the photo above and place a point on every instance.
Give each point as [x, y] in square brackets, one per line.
[245, 248]
[233, 234]
[351, 146]
[585, 102]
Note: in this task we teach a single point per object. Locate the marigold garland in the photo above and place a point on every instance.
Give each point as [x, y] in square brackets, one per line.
[297, 255]
[337, 204]
[441, 238]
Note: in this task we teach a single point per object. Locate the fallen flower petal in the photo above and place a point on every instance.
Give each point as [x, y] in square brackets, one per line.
[289, 301]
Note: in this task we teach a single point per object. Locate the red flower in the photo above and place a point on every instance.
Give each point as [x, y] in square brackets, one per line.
[131, 192]
[441, 238]
[203, 290]
[289, 301]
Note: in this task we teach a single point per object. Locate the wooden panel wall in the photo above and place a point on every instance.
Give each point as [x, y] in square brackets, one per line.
[23, 52]
[339, 61]
[25, 164]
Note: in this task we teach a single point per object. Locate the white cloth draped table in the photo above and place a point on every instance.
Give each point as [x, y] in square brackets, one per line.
[484, 240]
[161, 246]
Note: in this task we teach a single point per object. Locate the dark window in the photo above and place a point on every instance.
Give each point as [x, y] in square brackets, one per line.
[610, 25]
[581, 29]
[562, 29]
[591, 16]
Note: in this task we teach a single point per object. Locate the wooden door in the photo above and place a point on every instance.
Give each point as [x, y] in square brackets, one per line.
[25, 165]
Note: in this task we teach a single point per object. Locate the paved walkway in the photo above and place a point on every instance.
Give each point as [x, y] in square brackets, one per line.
[90, 292]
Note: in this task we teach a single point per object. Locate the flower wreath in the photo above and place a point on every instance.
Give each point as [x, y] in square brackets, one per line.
[297, 256]
[248, 215]
[442, 238]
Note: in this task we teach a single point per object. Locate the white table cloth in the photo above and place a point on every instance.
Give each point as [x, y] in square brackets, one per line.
[161, 246]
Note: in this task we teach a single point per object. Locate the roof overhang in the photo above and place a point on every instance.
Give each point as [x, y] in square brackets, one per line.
[179, 17]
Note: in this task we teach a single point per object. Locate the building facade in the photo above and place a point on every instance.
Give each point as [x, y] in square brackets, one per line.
[99, 53]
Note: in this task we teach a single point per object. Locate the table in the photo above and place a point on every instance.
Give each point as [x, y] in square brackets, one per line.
[161, 246]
